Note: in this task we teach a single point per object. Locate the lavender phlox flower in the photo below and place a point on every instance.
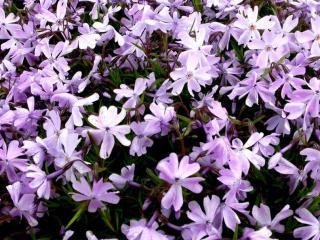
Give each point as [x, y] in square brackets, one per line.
[11, 160]
[247, 21]
[177, 174]
[24, 204]
[312, 228]
[107, 124]
[263, 217]
[97, 195]
[127, 174]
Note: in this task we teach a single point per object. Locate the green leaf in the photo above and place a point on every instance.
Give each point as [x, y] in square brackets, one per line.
[106, 219]
[314, 206]
[183, 118]
[235, 234]
[78, 214]
[115, 76]
[157, 68]
[153, 177]
[258, 119]
[238, 50]
[140, 47]
[197, 5]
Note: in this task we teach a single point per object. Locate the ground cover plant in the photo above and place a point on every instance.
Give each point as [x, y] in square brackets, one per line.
[159, 119]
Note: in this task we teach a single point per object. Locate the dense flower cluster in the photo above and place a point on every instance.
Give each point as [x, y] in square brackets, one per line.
[158, 120]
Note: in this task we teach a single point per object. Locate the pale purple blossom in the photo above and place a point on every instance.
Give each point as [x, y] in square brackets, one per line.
[24, 204]
[205, 223]
[88, 37]
[97, 195]
[311, 230]
[261, 234]
[141, 230]
[253, 88]
[246, 156]
[107, 124]
[39, 181]
[127, 174]
[67, 154]
[177, 174]
[247, 21]
[161, 117]
[193, 75]
[133, 95]
[263, 217]
[269, 48]
[142, 140]
[11, 159]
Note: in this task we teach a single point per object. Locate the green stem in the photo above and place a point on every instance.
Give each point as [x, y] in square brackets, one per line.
[183, 118]
[106, 220]
[77, 215]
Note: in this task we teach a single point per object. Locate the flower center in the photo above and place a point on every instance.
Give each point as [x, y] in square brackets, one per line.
[253, 27]
[60, 22]
[67, 158]
[189, 75]
[268, 48]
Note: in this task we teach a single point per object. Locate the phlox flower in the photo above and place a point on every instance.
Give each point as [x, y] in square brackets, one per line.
[75, 106]
[289, 81]
[11, 159]
[53, 129]
[141, 230]
[312, 228]
[193, 75]
[88, 37]
[57, 19]
[127, 174]
[95, 195]
[313, 162]
[228, 211]
[27, 118]
[142, 140]
[247, 21]
[269, 48]
[55, 57]
[161, 117]
[39, 181]
[263, 216]
[261, 234]
[305, 102]
[178, 176]
[233, 179]
[253, 88]
[67, 153]
[196, 50]
[107, 124]
[278, 122]
[133, 95]
[311, 36]
[23, 203]
[245, 155]
[205, 223]
[108, 30]
[8, 24]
